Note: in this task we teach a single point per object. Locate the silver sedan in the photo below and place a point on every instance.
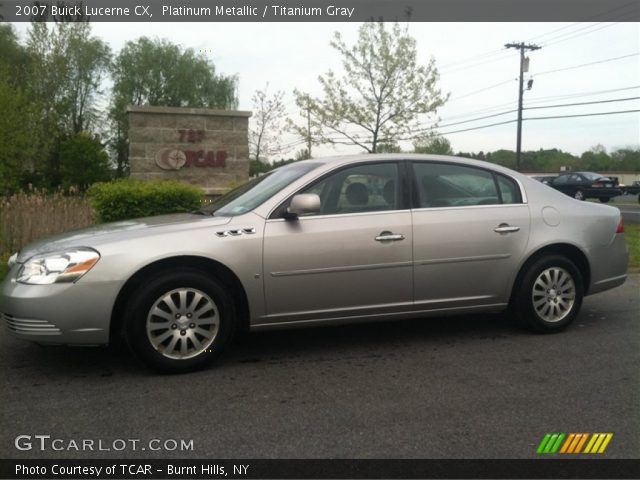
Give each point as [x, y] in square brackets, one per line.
[317, 242]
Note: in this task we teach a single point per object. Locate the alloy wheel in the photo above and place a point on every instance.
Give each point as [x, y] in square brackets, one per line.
[554, 294]
[182, 323]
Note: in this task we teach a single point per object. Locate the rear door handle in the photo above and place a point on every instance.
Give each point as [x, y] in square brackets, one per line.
[506, 228]
[389, 237]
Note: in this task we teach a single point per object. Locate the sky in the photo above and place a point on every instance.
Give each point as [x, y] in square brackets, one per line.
[478, 72]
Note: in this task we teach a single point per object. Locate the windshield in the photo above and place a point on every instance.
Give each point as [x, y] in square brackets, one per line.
[255, 192]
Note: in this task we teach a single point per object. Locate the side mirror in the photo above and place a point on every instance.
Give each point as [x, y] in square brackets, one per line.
[303, 204]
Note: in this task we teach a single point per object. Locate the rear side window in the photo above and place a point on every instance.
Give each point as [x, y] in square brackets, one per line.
[509, 190]
[446, 185]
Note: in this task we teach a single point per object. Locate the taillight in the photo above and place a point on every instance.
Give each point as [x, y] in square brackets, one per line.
[620, 228]
[597, 185]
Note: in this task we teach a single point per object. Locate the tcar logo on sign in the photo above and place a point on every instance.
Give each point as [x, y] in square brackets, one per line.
[574, 443]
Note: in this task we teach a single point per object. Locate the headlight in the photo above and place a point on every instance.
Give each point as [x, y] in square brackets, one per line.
[60, 267]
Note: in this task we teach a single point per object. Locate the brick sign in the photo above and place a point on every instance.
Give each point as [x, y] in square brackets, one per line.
[204, 147]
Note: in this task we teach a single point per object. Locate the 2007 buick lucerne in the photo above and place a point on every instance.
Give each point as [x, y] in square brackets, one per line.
[319, 242]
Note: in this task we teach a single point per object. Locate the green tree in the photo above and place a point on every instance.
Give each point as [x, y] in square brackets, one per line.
[310, 130]
[266, 129]
[596, 159]
[67, 67]
[506, 158]
[84, 161]
[381, 94]
[433, 144]
[14, 61]
[390, 147]
[159, 73]
[627, 159]
[17, 126]
[88, 61]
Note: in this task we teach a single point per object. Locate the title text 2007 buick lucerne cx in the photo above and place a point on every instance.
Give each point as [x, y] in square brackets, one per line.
[320, 242]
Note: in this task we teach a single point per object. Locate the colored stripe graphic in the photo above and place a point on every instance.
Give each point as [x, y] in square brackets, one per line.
[598, 442]
[550, 443]
[573, 443]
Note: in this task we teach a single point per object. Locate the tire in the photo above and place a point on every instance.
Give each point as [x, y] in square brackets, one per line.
[579, 195]
[179, 321]
[605, 200]
[534, 305]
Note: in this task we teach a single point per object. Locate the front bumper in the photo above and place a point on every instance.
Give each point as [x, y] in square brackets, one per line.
[73, 313]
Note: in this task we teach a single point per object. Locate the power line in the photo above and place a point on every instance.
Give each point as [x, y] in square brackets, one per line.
[584, 103]
[582, 115]
[499, 106]
[581, 94]
[457, 66]
[475, 92]
[479, 128]
[472, 120]
[475, 58]
[560, 39]
[587, 64]
[631, 4]
[539, 118]
[434, 125]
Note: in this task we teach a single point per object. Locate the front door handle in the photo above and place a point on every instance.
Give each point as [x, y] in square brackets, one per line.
[506, 228]
[387, 236]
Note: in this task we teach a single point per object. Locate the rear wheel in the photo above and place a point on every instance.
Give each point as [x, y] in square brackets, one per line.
[605, 200]
[579, 195]
[550, 294]
[179, 321]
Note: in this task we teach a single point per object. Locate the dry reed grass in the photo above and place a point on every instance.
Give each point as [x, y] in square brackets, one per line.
[29, 216]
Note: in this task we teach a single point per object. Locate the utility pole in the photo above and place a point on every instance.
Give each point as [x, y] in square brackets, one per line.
[522, 47]
[309, 142]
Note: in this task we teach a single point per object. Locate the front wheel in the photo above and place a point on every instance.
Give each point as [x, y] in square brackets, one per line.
[179, 321]
[550, 294]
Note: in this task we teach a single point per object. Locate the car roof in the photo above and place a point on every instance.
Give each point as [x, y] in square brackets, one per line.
[380, 157]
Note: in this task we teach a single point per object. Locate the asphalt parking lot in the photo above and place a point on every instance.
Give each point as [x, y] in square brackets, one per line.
[473, 387]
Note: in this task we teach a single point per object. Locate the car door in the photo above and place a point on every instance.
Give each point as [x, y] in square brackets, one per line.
[352, 258]
[561, 183]
[470, 228]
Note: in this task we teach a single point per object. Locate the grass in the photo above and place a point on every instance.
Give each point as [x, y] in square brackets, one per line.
[632, 234]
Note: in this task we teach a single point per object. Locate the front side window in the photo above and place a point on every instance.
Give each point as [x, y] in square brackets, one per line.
[446, 185]
[359, 189]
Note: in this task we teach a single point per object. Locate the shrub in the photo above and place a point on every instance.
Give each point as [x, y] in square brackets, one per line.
[84, 161]
[125, 199]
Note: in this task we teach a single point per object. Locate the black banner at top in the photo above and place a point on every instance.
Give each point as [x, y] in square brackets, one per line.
[321, 10]
[317, 469]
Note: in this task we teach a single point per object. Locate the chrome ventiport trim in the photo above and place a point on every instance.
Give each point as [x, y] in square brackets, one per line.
[237, 231]
[24, 326]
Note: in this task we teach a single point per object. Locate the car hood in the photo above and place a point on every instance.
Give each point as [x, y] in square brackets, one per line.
[107, 232]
